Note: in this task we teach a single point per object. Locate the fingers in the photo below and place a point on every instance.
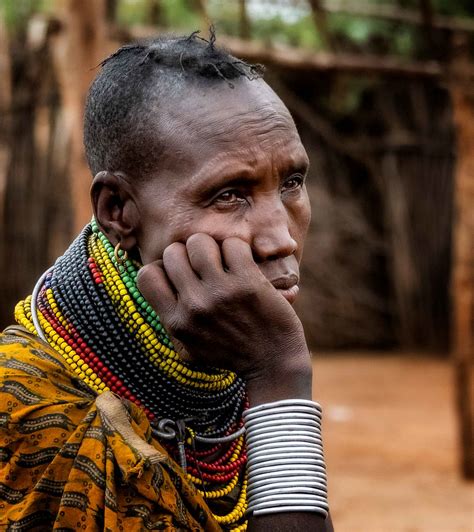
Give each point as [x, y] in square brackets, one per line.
[183, 267]
[178, 269]
[238, 255]
[156, 288]
[204, 255]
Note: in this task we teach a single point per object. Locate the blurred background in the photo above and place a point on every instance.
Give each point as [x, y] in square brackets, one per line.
[382, 93]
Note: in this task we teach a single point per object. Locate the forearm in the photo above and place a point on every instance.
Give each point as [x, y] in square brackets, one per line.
[295, 382]
[290, 522]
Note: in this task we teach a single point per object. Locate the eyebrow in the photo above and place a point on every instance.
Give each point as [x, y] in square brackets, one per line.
[212, 185]
[244, 177]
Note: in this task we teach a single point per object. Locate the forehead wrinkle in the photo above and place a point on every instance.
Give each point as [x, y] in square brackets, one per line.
[250, 162]
[220, 164]
[226, 127]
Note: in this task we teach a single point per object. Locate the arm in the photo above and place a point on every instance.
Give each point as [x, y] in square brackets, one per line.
[232, 317]
[293, 383]
[290, 522]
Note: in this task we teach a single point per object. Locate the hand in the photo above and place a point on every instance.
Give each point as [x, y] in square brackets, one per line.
[223, 309]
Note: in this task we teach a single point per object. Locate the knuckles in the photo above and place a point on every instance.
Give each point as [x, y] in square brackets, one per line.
[217, 301]
[195, 309]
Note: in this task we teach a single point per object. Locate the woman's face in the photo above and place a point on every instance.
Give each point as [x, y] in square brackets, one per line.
[234, 166]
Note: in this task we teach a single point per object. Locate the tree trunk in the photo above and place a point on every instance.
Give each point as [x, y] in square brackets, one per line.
[111, 11]
[78, 49]
[31, 196]
[5, 103]
[200, 7]
[156, 13]
[319, 18]
[244, 22]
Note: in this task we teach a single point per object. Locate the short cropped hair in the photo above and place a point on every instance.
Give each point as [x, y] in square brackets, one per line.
[131, 87]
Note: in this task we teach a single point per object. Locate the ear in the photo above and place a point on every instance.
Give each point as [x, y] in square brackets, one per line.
[114, 209]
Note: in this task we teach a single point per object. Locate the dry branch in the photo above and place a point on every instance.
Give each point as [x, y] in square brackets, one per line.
[397, 14]
[389, 12]
[299, 59]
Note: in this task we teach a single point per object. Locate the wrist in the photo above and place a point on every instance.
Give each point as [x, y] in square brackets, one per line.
[290, 380]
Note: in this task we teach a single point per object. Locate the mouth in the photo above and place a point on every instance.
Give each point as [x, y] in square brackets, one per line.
[288, 287]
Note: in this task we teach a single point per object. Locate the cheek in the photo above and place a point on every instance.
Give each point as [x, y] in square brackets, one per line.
[220, 226]
[159, 230]
[151, 247]
[306, 218]
[180, 225]
[301, 218]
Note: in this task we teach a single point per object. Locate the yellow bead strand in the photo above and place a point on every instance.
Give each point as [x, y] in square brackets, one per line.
[72, 359]
[144, 333]
[158, 353]
[21, 315]
[239, 510]
[240, 528]
[216, 494]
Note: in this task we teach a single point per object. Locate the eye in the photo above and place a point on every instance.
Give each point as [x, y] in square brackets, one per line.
[230, 197]
[295, 182]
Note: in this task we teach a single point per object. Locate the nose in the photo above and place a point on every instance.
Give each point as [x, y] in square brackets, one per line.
[271, 238]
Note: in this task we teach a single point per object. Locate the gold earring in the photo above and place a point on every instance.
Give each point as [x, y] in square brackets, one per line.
[120, 260]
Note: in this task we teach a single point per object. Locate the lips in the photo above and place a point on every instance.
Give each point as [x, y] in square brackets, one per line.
[287, 286]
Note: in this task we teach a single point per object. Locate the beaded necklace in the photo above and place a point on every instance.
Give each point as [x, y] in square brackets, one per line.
[89, 309]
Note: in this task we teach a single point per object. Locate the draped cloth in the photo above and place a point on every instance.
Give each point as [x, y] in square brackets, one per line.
[72, 460]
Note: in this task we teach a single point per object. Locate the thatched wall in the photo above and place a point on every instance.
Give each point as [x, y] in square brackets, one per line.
[378, 257]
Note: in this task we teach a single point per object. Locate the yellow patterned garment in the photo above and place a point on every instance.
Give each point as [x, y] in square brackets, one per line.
[71, 460]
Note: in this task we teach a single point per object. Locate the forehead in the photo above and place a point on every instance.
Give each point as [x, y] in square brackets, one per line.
[219, 113]
[219, 126]
[248, 102]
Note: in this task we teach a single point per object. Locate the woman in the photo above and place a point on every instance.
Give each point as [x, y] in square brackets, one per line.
[114, 416]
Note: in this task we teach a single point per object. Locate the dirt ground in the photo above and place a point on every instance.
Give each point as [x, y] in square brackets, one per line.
[391, 444]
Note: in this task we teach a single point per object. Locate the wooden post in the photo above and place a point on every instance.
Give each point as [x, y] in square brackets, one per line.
[319, 18]
[244, 21]
[200, 7]
[111, 11]
[5, 101]
[79, 47]
[155, 13]
[427, 16]
[462, 91]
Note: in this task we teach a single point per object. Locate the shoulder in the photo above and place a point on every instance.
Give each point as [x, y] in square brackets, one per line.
[71, 457]
[37, 392]
[32, 373]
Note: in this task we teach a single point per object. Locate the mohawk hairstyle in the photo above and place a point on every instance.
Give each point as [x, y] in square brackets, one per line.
[134, 82]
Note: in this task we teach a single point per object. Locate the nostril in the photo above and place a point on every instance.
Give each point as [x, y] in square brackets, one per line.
[273, 257]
